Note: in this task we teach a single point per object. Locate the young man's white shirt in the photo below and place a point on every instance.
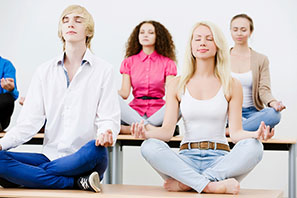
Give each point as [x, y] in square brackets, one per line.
[75, 114]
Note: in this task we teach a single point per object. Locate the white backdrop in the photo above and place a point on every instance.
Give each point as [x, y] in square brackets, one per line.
[28, 37]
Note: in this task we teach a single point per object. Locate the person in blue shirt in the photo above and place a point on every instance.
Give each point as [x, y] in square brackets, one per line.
[8, 92]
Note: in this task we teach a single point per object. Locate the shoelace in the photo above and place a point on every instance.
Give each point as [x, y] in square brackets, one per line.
[84, 183]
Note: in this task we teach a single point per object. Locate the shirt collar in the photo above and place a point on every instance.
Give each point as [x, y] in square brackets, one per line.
[144, 56]
[88, 57]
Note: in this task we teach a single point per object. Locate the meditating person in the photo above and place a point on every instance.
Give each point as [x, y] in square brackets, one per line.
[147, 69]
[75, 93]
[8, 92]
[205, 94]
[252, 70]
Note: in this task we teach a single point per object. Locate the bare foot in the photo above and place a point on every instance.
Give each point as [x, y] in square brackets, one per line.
[174, 185]
[125, 129]
[228, 186]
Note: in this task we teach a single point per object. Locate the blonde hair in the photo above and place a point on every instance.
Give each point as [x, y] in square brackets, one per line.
[222, 63]
[88, 22]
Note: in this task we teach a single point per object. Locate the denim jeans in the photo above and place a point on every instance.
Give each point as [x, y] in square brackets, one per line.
[196, 168]
[35, 170]
[251, 117]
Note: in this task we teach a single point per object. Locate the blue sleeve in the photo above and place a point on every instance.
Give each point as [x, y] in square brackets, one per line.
[9, 72]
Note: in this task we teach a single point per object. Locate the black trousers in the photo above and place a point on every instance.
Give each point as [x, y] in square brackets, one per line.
[6, 109]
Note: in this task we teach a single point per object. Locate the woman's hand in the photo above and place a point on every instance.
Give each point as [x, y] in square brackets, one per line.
[277, 105]
[138, 130]
[263, 132]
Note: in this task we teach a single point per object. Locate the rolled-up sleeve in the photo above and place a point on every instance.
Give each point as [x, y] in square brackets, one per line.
[108, 110]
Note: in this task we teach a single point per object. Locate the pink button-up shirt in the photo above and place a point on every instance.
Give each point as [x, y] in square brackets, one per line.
[148, 75]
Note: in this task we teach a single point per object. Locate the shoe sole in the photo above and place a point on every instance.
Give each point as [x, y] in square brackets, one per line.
[95, 182]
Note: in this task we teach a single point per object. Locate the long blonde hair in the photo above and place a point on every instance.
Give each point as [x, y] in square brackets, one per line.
[222, 63]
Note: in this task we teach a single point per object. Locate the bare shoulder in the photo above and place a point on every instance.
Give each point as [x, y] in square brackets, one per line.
[174, 81]
[173, 87]
[236, 89]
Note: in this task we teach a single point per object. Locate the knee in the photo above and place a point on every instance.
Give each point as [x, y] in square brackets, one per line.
[255, 148]
[274, 116]
[95, 151]
[151, 147]
[3, 159]
[3, 156]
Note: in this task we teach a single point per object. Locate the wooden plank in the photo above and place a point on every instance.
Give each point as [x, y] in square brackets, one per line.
[179, 138]
[132, 191]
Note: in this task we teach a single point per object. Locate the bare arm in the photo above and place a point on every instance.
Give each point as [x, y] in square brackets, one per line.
[124, 92]
[165, 132]
[235, 118]
[168, 80]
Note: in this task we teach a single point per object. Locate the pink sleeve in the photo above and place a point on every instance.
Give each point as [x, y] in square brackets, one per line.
[171, 68]
[125, 67]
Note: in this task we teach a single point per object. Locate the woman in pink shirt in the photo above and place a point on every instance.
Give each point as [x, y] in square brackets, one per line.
[148, 67]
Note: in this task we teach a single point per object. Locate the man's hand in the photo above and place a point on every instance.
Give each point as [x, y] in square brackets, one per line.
[105, 139]
[7, 84]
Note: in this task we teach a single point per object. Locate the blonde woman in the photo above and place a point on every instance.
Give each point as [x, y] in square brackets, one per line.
[206, 94]
[75, 93]
[252, 70]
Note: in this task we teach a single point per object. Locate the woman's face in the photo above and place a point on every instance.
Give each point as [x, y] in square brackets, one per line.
[147, 35]
[240, 30]
[203, 45]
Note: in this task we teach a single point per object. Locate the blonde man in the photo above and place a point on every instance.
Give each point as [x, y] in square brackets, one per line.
[75, 94]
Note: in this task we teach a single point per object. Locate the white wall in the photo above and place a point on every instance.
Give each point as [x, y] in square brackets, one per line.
[28, 37]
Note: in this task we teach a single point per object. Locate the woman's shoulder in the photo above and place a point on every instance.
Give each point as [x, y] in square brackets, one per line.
[165, 58]
[258, 56]
[174, 83]
[236, 88]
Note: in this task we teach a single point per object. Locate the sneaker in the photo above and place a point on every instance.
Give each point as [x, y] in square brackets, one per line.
[90, 182]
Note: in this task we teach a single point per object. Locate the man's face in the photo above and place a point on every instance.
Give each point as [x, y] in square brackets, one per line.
[73, 28]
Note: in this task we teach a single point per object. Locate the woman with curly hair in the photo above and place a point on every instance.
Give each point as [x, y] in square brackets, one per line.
[149, 65]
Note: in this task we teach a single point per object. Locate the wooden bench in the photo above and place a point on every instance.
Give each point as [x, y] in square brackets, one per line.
[131, 191]
[116, 168]
[114, 172]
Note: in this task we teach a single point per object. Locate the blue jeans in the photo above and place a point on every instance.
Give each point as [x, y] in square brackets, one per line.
[34, 170]
[251, 117]
[196, 168]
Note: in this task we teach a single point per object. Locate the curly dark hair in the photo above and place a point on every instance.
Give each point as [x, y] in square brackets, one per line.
[164, 44]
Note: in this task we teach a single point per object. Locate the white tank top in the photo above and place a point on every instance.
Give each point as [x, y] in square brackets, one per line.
[246, 80]
[204, 120]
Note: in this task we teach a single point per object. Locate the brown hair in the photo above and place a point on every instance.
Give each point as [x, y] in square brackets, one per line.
[164, 44]
[245, 16]
[89, 23]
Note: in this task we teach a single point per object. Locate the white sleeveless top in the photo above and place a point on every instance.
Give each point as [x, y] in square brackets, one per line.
[204, 120]
[246, 80]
